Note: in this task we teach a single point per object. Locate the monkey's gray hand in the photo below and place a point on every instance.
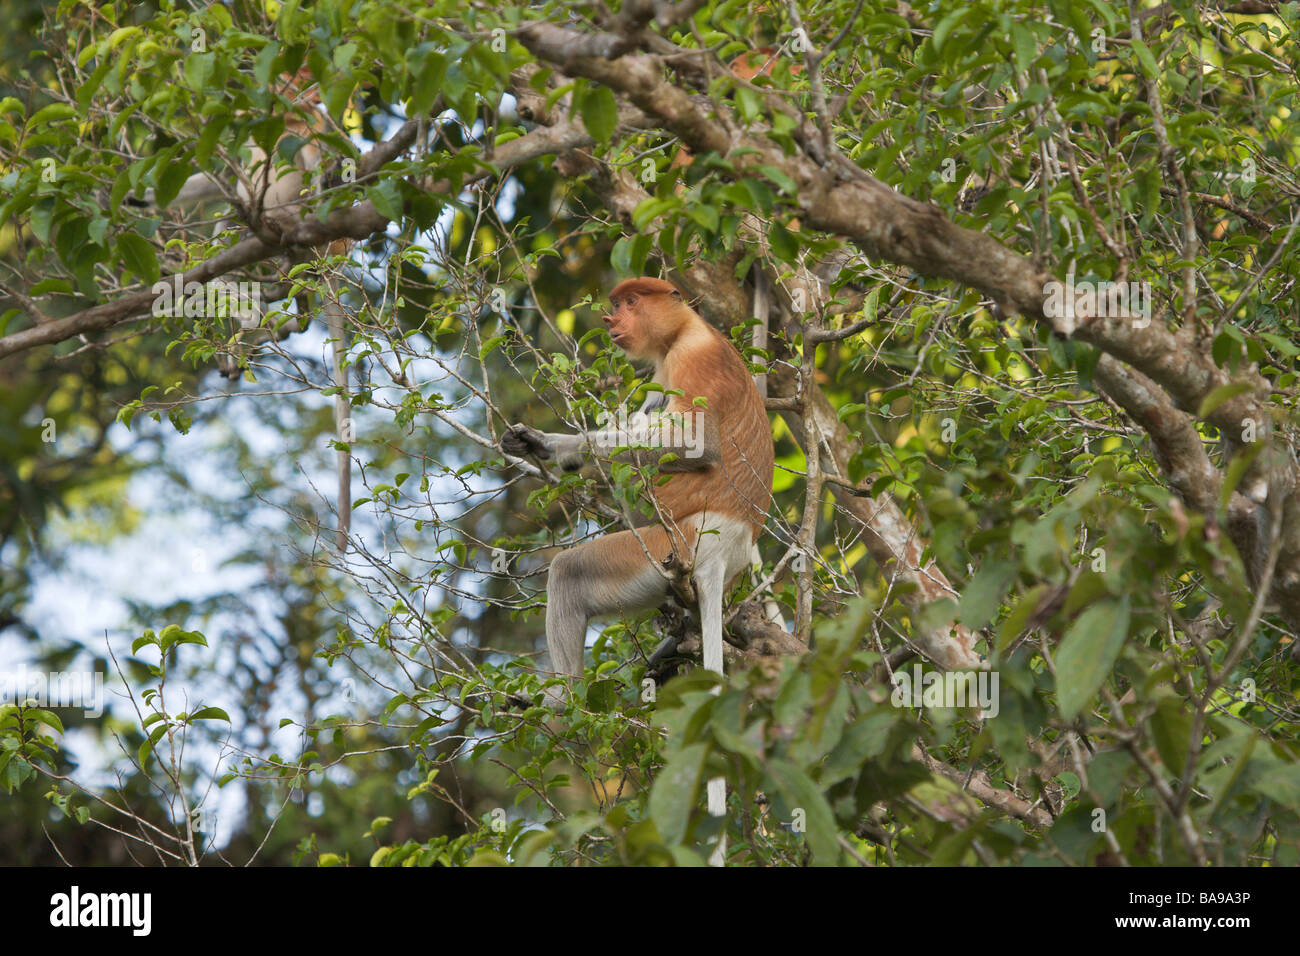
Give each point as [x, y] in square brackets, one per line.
[521, 441]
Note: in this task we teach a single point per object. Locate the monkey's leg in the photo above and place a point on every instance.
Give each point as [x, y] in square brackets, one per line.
[723, 549]
[609, 576]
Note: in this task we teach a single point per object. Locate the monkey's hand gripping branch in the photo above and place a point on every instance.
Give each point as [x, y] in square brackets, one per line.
[522, 441]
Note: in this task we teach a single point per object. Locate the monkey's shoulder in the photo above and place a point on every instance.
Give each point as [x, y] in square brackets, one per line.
[710, 368]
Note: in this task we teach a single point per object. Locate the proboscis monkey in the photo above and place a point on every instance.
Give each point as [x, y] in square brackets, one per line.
[713, 504]
[270, 195]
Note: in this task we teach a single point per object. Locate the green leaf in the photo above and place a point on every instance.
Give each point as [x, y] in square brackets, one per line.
[1171, 729]
[706, 216]
[803, 794]
[778, 176]
[149, 637]
[783, 243]
[51, 114]
[600, 113]
[674, 793]
[429, 67]
[139, 256]
[211, 134]
[289, 147]
[1149, 68]
[118, 37]
[172, 635]
[264, 62]
[1022, 39]
[620, 258]
[1283, 345]
[47, 717]
[602, 695]
[338, 94]
[170, 178]
[146, 748]
[91, 86]
[936, 614]
[46, 286]
[426, 725]
[387, 198]
[210, 713]
[945, 27]
[41, 219]
[1275, 779]
[1088, 652]
[979, 602]
[16, 772]
[199, 68]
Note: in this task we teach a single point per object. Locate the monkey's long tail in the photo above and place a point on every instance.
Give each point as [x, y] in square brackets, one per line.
[710, 582]
[718, 807]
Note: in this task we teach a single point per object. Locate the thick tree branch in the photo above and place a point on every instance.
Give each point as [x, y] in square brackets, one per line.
[1181, 454]
[1178, 447]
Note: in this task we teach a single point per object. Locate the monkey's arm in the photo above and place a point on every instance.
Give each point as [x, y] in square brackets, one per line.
[692, 438]
[521, 441]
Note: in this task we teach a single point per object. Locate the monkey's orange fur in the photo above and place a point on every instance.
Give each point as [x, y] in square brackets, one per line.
[650, 321]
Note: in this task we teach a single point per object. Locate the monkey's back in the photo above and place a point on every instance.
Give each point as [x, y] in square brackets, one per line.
[740, 484]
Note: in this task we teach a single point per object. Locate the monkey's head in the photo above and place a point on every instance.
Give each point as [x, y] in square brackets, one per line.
[648, 314]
